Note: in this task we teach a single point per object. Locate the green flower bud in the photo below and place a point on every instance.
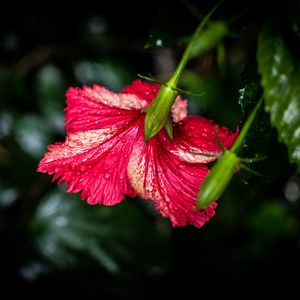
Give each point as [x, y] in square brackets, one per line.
[158, 113]
[218, 179]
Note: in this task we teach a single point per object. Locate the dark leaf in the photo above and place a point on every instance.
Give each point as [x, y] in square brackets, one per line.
[280, 73]
[261, 140]
[69, 232]
[250, 89]
[294, 10]
[272, 220]
[51, 86]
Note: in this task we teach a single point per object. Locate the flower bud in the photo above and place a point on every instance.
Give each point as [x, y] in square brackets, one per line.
[218, 179]
[158, 113]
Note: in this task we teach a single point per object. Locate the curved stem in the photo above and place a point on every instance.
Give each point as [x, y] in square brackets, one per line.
[238, 142]
[186, 55]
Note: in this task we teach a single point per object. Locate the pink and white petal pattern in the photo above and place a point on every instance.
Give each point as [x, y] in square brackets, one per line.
[143, 90]
[172, 184]
[105, 156]
[96, 108]
[179, 109]
[94, 162]
[195, 135]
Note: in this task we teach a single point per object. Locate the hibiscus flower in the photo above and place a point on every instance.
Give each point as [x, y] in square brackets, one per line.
[105, 156]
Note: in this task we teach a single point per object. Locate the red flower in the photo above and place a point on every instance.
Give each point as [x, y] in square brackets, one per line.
[105, 157]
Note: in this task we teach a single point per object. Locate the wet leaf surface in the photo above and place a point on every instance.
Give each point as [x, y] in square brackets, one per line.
[280, 77]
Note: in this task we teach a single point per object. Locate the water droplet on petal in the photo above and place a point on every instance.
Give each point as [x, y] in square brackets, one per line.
[149, 188]
[106, 176]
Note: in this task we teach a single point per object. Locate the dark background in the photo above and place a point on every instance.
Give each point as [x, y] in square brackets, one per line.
[52, 245]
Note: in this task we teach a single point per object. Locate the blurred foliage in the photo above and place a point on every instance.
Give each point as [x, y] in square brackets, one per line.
[68, 232]
[54, 245]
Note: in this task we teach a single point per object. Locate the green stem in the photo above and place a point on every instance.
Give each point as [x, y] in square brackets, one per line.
[239, 141]
[186, 55]
[158, 112]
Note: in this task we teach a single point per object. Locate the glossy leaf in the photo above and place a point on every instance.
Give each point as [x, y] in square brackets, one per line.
[250, 89]
[71, 233]
[280, 79]
[261, 140]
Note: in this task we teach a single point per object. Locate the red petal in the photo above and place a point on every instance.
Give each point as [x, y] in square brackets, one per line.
[95, 108]
[148, 91]
[173, 185]
[143, 90]
[94, 162]
[197, 135]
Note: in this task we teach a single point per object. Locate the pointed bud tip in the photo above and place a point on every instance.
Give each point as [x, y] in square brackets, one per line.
[148, 136]
[200, 205]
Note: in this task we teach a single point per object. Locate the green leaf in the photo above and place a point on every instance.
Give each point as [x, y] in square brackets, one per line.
[280, 79]
[261, 140]
[250, 89]
[71, 233]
